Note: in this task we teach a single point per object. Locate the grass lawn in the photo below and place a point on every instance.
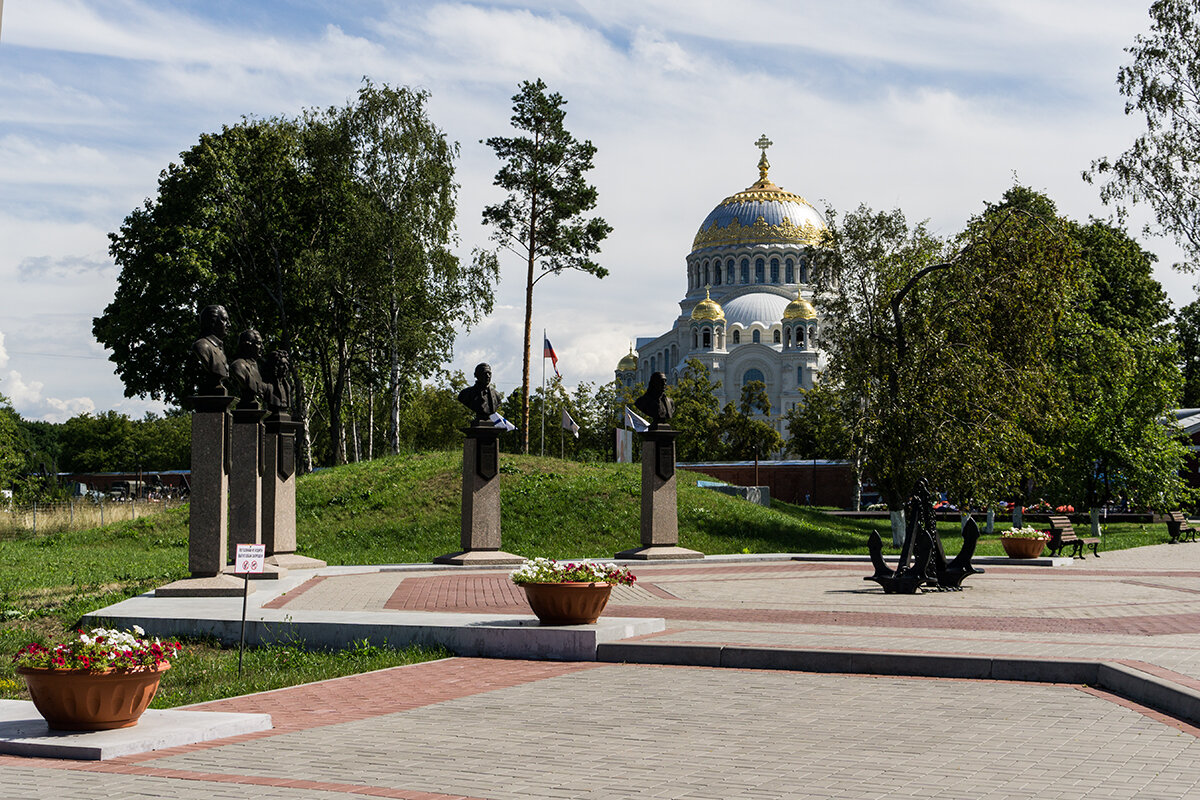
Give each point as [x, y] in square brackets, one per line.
[405, 509]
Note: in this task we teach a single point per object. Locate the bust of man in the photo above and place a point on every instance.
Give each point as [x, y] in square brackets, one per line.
[655, 406]
[278, 383]
[247, 380]
[208, 352]
[481, 398]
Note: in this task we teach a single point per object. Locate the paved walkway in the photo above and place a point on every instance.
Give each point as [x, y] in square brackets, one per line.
[491, 728]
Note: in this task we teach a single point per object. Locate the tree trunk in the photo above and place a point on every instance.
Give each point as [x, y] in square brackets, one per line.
[353, 421]
[897, 528]
[303, 441]
[370, 423]
[394, 415]
[528, 325]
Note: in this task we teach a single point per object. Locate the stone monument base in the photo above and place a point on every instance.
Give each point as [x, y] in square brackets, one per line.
[288, 561]
[488, 558]
[270, 573]
[214, 586]
[659, 552]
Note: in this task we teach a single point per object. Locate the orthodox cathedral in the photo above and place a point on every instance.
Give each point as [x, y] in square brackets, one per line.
[745, 315]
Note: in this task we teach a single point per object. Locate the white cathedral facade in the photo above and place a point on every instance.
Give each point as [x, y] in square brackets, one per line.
[747, 315]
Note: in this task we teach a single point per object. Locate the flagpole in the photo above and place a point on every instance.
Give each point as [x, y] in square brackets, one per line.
[543, 391]
[561, 437]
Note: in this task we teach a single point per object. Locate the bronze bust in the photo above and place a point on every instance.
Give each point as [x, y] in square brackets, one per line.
[481, 397]
[278, 382]
[247, 379]
[654, 405]
[209, 365]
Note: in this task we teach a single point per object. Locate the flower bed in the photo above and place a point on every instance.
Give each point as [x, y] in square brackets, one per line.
[545, 570]
[1025, 532]
[99, 650]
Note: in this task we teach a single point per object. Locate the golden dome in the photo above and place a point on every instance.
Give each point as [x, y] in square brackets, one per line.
[708, 309]
[628, 363]
[799, 308]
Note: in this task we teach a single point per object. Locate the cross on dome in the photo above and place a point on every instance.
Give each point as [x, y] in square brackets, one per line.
[763, 165]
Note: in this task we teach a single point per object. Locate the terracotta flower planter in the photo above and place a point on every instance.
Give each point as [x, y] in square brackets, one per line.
[79, 700]
[567, 603]
[1023, 548]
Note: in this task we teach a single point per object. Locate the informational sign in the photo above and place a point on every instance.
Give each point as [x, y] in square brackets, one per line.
[250, 558]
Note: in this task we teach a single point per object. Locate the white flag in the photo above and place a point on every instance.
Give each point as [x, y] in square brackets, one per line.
[500, 422]
[570, 424]
[632, 420]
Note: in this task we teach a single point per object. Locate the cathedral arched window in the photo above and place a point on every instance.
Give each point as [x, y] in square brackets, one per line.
[774, 270]
[788, 337]
[789, 271]
[695, 340]
[777, 337]
[737, 337]
[760, 268]
[812, 337]
[745, 270]
[799, 377]
[804, 270]
[707, 338]
[800, 338]
[717, 274]
[756, 337]
[653, 364]
[729, 278]
[707, 281]
[753, 375]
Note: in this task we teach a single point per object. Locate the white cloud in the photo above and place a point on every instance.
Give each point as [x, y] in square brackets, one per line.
[3, 352]
[929, 106]
[29, 401]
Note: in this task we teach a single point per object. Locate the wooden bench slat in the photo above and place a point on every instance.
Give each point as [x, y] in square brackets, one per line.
[1062, 533]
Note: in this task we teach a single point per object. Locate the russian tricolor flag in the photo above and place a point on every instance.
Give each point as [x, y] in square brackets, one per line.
[548, 352]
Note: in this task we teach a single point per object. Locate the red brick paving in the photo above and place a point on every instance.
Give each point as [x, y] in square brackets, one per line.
[497, 594]
[287, 597]
[348, 699]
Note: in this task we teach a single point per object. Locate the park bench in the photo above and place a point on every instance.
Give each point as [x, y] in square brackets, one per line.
[1063, 534]
[1178, 527]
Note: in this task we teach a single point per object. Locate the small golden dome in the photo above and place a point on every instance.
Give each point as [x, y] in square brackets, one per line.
[628, 363]
[708, 309]
[799, 308]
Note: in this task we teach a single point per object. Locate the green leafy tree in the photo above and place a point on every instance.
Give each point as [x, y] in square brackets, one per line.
[1187, 334]
[697, 414]
[431, 417]
[1162, 83]
[817, 426]
[945, 351]
[330, 234]
[542, 219]
[743, 434]
[1113, 370]
[12, 459]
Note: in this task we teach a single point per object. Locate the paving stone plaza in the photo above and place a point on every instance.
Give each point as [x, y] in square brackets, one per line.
[470, 727]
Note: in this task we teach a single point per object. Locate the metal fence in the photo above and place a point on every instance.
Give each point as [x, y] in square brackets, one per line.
[77, 514]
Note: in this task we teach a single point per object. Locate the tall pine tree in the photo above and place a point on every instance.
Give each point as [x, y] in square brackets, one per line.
[542, 219]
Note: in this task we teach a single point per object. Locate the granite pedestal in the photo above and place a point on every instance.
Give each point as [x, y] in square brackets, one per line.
[660, 512]
[208, 529]
[279, 494]
[480, 536]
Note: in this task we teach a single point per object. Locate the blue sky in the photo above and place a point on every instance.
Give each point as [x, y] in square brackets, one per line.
[929, 106]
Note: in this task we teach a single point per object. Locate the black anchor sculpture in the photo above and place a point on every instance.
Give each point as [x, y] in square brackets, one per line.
[922, 559]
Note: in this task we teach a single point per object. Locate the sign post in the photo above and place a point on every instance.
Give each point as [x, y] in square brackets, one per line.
[250, 559]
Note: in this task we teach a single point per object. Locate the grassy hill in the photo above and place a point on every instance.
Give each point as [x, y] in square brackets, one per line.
[405, 509]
